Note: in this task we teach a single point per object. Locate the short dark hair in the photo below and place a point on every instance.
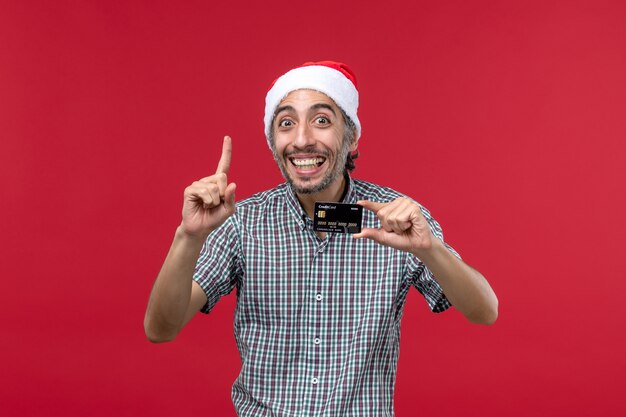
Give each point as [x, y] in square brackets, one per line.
[349, 135]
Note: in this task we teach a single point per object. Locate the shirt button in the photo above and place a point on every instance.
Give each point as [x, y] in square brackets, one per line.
[314, 381]
[318, 297]
[317, 340]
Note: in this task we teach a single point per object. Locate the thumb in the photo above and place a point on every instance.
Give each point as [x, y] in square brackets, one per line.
[371, 205]
[229, 197]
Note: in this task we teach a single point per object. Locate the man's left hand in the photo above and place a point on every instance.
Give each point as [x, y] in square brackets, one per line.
[402, 226]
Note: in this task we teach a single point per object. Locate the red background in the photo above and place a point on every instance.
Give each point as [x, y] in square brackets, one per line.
[506, 119]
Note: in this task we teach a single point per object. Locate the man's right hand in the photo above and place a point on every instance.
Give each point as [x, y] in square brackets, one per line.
[211, 200]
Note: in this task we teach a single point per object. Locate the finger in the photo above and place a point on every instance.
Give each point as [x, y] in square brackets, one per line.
[216, 200]
[385, 225]
[371, 205]
[200, 198]
[222, 183]
[227, 152]
[229, 197]
[381, 213]
[220, 179]
[399, 219]
[208, 194]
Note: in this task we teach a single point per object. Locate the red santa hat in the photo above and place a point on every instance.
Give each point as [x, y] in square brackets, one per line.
[334, 79]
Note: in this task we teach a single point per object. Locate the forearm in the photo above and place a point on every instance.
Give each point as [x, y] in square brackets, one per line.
[467, 289]
[171, 293]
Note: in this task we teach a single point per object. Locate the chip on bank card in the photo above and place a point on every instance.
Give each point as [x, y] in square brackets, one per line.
[337, 217]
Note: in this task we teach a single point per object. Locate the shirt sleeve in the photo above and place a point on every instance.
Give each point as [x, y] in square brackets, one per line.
[217, 269]
[423, 279]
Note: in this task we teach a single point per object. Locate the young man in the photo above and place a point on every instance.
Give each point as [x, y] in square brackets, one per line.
[318, 314]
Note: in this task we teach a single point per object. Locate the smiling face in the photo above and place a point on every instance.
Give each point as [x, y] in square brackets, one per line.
[309, 141]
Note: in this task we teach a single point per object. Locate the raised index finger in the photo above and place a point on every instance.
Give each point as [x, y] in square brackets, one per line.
[227, 152]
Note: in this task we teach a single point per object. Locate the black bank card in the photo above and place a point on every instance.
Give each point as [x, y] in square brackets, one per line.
[337, 217]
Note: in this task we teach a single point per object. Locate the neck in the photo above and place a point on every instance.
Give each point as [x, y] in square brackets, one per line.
[333, 193]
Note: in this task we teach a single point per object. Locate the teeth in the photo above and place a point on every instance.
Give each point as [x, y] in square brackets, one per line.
[307, 162]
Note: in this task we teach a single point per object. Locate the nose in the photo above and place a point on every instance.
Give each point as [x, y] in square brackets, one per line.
[304, 136]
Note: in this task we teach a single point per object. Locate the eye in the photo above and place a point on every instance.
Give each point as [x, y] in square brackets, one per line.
[285, 123]
[322, 120]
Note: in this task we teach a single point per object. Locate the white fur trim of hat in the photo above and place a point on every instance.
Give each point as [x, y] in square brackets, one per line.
[319, 77]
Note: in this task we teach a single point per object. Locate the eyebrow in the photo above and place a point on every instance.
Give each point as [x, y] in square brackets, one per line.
[316, 106]
[283, 108]
[323, 106]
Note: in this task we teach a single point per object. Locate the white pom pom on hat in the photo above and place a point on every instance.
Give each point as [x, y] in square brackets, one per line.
[334, 79]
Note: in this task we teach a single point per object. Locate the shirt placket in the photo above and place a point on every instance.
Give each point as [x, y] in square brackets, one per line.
[313, 331]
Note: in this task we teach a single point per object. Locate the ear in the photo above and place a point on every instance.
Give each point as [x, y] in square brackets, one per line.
[355, 144]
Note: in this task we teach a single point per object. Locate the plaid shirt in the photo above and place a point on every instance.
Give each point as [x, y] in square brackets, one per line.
[317, 322]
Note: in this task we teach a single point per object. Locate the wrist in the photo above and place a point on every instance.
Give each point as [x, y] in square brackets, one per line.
[190, 238]
[433, 251]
